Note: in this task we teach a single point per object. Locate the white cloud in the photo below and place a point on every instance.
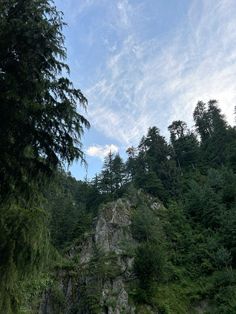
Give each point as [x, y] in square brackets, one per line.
[153, 82]
[123, 9]
[101, 151]
[76, 8]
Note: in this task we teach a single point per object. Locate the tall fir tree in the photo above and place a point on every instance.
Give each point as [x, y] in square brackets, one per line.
[40, 130]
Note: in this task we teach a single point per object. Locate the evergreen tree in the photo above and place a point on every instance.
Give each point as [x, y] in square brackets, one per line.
[118, 169]
[107, 176]
[39, 125]
[156, 148]
[185, 145]
[213, 130]
[40, 129]
[131, 163]
[201, 119]
[113, 174]
[155, 153]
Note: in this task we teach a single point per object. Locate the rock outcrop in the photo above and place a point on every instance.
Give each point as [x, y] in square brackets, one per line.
[98, 282]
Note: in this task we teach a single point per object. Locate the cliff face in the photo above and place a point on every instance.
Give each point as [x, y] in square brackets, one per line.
[98, 277]
[100, 280]
[104, 261]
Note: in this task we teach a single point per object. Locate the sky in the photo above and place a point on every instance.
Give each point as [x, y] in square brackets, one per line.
[142, 63]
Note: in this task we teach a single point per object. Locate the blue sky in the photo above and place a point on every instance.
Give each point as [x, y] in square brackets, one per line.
[147, 62]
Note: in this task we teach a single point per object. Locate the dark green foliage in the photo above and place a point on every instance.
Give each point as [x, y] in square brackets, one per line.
[148, 265]
[198, 234]
[23, 249]
[40, 130]
[72, 205]
[215, 134]
[150, 168]
[112, 177]
[184, 144]
[184, 256]
[102, 267]
[150, 255]
[154, 152]
[39, 123]
[182, 251]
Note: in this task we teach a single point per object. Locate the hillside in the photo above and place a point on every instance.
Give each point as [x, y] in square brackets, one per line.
[154, 234]
[139, 257]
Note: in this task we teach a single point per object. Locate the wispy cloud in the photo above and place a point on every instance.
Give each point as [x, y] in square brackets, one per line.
[101, 151]
[124, 10]
[152, 82]
[76, 8]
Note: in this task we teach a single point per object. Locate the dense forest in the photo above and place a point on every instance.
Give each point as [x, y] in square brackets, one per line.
[185, 254]
[193, 256]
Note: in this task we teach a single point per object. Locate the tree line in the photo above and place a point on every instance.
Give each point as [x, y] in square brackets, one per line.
[186, 249]
[158, 167]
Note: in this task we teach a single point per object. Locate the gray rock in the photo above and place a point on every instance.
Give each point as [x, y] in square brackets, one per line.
[111, 234]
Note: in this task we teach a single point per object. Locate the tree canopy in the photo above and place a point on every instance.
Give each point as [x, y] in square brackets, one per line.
[40, 130]
[39, 124]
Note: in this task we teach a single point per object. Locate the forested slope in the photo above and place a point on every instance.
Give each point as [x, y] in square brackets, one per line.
[184, 257]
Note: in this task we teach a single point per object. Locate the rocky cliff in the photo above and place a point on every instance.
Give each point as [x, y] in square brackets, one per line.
[99, 280]
[122, 265]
